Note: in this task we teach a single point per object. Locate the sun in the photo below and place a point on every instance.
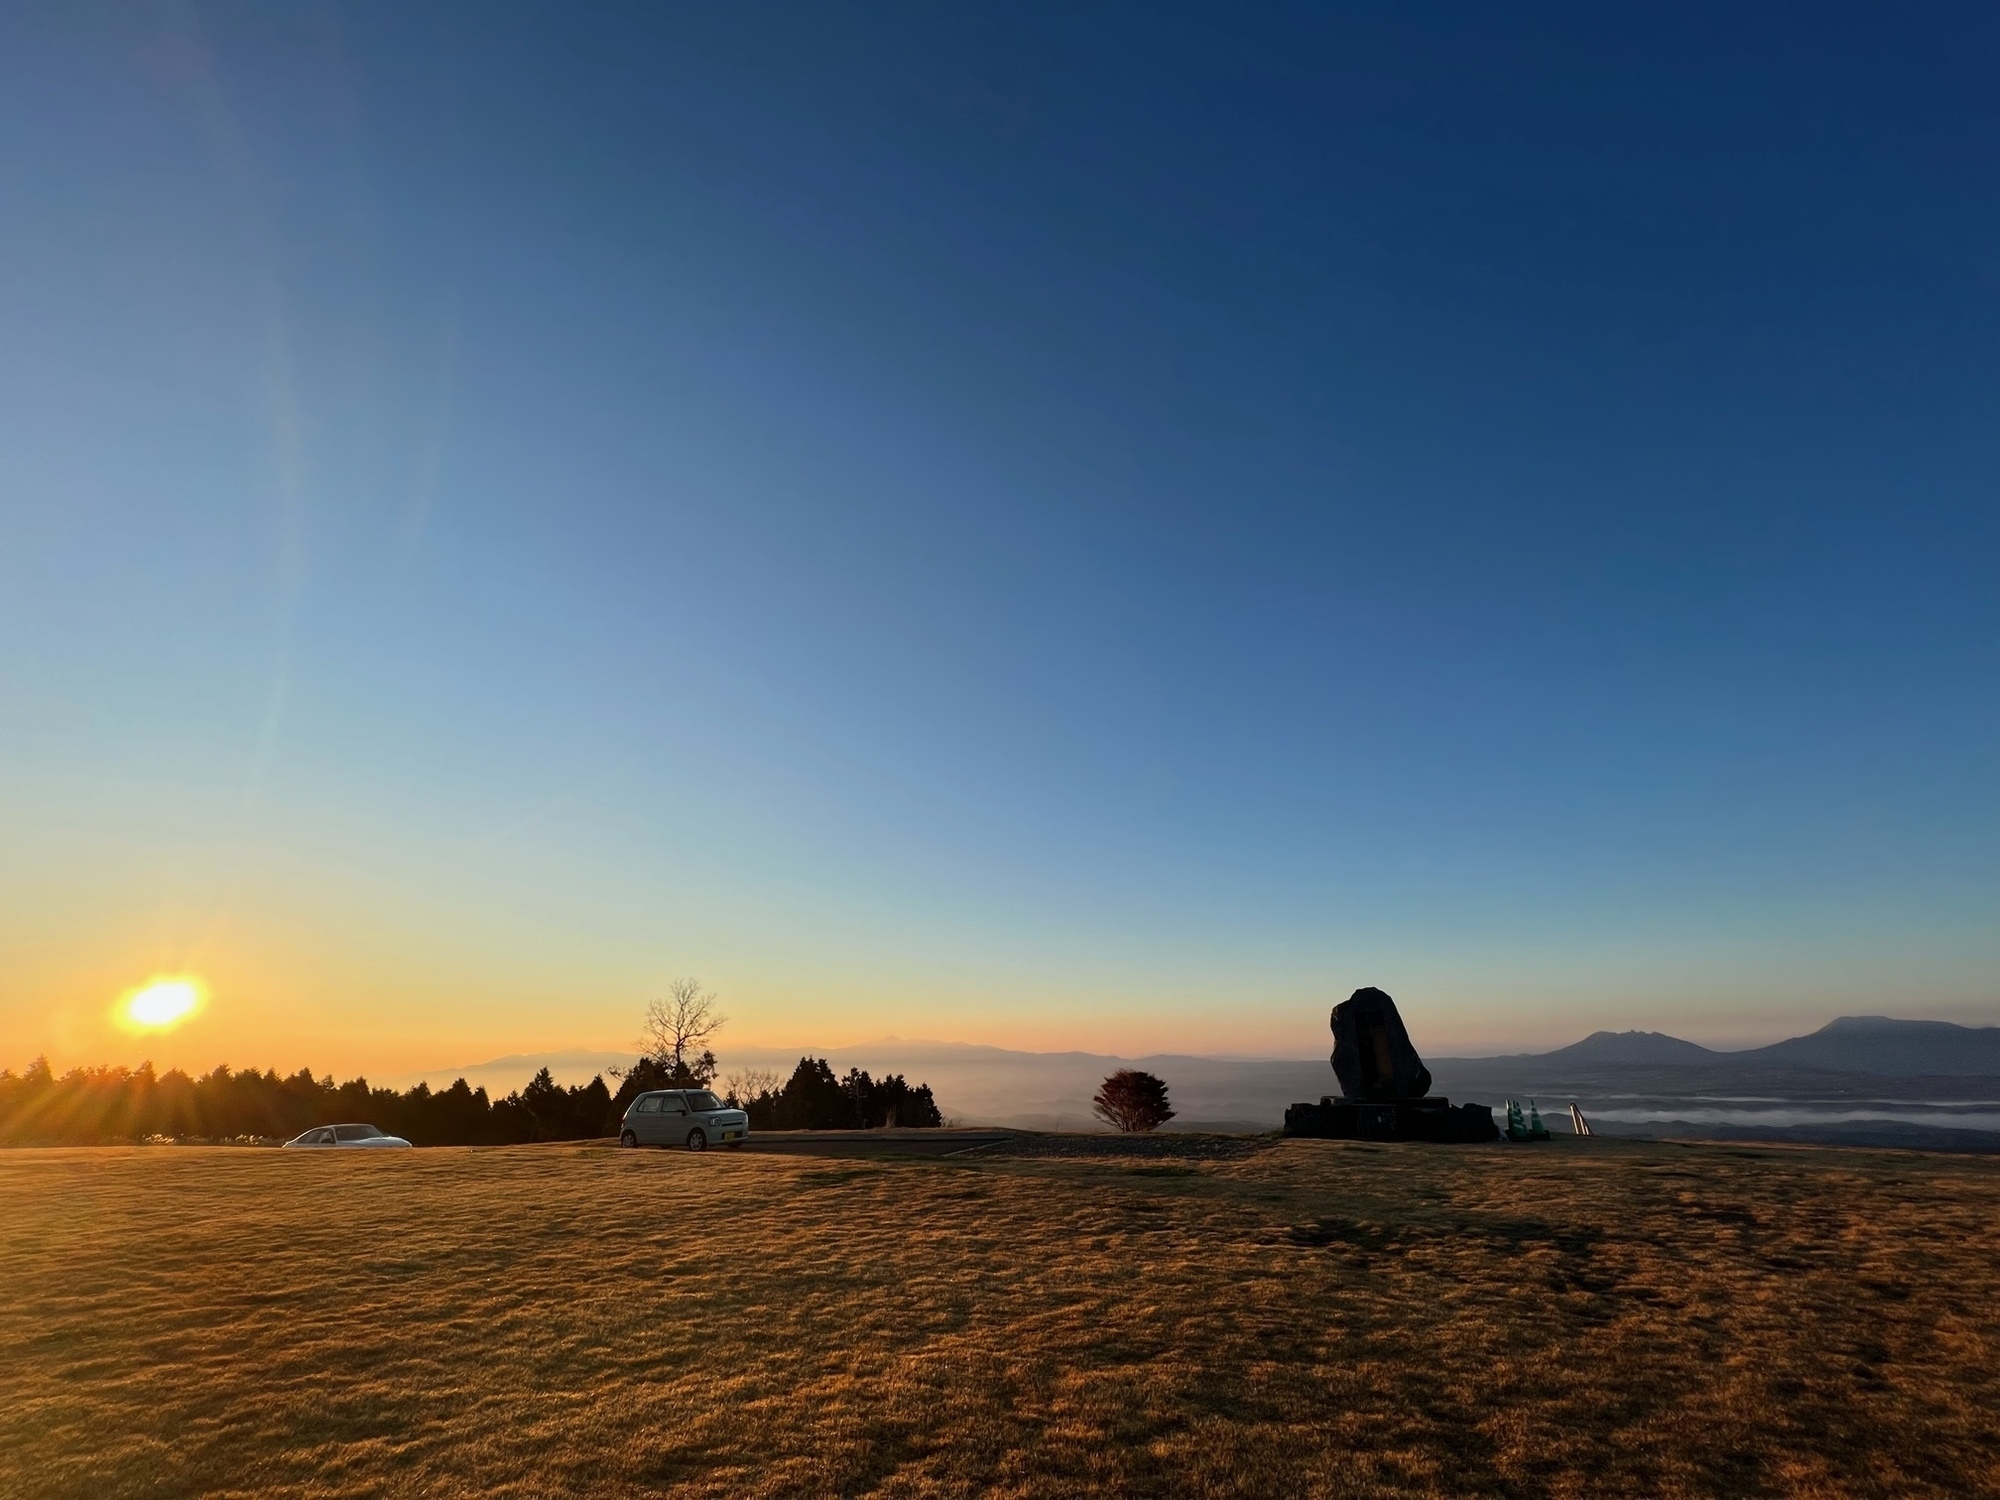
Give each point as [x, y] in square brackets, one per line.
[160, 1004]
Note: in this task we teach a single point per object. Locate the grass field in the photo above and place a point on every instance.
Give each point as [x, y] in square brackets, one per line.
[1590, 1317]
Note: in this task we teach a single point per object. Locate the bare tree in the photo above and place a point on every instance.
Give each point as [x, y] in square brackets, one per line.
[745, 1084]
[681, 1024]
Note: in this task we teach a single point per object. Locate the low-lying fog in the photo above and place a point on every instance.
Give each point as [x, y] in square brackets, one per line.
[978, 1085]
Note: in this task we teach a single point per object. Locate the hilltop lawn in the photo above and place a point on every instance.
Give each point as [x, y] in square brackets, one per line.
[1316, 1318]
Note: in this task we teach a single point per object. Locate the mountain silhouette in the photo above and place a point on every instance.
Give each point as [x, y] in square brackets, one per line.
[988, 1085]
[1882, 1045]
[1651, 1047]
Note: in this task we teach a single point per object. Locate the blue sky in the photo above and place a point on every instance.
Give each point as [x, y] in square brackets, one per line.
[1058, 526]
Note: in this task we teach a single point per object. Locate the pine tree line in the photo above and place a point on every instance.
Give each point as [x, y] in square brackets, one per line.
[106, 1105]
[813, 1098]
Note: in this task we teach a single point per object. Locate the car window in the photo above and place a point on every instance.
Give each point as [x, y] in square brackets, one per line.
[673, 1104]
[355, 1132]
[649, 1104]
[320, 1138]
[704, 1101]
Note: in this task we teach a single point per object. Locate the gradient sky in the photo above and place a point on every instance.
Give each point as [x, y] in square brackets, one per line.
[1050, 525]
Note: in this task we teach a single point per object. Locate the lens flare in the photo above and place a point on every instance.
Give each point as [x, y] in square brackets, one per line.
[160, 1004]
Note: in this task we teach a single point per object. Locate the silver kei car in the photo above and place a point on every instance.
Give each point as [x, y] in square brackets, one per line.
[365, 1136]
[693, 1118]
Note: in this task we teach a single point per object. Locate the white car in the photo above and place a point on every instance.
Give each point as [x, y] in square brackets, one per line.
[682, 1117]
[346, 1136]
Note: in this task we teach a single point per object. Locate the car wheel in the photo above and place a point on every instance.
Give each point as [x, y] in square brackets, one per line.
[628, 1139]
[697, 1141]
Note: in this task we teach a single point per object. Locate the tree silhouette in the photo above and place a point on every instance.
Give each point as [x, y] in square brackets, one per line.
[89, 1106]
[1132, 1101]
[677, 1033]
[817, 1098]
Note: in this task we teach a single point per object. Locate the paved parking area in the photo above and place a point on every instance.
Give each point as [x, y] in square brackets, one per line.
[875, 1142]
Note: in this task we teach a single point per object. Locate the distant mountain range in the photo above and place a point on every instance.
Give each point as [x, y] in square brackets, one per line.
[1850, 1065]
[1876, 1045]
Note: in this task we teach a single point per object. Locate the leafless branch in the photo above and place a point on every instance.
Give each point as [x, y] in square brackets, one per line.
[680, 1023]
[746, 1084]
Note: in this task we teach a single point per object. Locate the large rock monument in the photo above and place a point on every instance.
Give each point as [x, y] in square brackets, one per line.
[1372, 1055]
[1384, 1086]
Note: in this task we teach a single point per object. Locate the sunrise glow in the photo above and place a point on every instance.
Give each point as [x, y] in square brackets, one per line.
[160, 1004]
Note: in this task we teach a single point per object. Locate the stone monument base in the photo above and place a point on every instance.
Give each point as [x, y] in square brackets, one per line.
[1427, 1119]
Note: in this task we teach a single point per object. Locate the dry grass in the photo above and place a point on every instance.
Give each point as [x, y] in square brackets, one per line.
[1322, 1318]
